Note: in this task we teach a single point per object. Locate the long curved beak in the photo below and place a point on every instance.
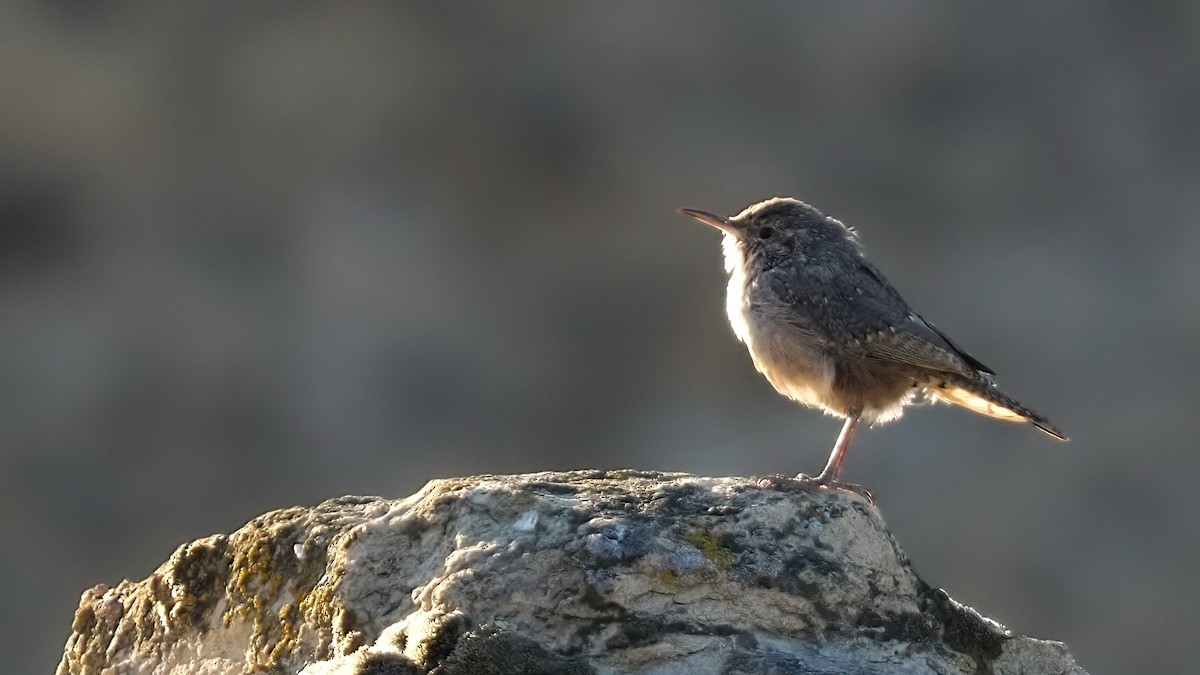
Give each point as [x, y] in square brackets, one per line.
[723, 224]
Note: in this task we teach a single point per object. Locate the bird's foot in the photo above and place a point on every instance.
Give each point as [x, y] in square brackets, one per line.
[805, 483]
[782, 483]
[838, 485]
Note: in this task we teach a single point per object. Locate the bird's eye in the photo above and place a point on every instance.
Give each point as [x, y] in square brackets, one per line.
[766, 232]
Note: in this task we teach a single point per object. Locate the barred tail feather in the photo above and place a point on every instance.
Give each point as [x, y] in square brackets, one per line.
[985, 398]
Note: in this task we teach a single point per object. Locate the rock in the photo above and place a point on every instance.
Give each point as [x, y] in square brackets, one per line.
[555, 574]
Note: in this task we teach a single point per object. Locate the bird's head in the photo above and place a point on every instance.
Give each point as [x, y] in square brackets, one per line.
[774, 230]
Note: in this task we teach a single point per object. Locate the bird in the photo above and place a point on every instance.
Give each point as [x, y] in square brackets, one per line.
[827, 329]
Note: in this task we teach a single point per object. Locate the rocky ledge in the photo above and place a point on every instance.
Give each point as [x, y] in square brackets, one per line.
[551, 573]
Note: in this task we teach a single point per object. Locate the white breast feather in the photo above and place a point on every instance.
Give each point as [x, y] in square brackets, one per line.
[791, 367]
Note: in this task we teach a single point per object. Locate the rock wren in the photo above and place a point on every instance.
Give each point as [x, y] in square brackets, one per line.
[828, 330]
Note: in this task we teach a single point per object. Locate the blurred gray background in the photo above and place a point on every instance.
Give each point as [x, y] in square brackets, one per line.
[254, 256]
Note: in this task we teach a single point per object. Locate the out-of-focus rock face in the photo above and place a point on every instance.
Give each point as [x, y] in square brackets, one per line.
[583, 572]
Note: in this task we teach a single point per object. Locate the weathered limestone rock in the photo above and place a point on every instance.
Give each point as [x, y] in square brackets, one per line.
[551, 573]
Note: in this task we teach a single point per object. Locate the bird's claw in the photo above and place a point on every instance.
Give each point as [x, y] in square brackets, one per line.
[838, 485]
[805, 483]
[782, 483]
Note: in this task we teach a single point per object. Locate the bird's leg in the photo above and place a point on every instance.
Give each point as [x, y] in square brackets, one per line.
[838, 456]
[829, 476]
